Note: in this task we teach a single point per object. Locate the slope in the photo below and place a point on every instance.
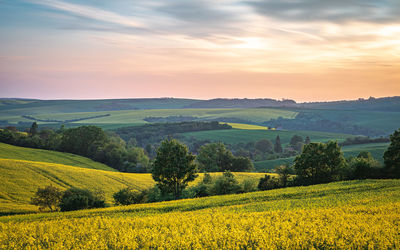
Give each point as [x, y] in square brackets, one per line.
[30, 154]
[19, 180]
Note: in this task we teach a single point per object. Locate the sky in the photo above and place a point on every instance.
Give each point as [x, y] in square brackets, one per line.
[306, 50]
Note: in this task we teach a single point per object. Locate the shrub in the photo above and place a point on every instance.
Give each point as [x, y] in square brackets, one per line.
[76, 199]
[267, 182]
[226, 184]
[127, 196]
[249, 185]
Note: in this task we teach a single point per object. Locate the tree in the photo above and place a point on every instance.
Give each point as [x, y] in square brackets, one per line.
[173, 167]
[78, 140]
[284, 174]
[214, 157]
[392, 156]
[319, 163]
[34, 129]
[278, 145]
[48, 197]
[240, 164]
[295, 140]
[264, 146]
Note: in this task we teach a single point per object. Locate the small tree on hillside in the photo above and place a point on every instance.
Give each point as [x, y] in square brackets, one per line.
[319, 163]
[278, 145]
[392, 156]
[48, 197]
[173, 167]
[34, 129]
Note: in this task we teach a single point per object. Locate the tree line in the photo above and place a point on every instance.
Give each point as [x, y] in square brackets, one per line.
[174, 167]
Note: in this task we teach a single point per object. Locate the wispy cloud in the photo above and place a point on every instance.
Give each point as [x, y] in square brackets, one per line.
[91, 13]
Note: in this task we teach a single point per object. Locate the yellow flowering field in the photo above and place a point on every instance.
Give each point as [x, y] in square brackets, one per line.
[356, 214]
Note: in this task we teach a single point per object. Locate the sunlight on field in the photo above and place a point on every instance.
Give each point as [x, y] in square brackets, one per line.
[246, 126]
[358, 214]
[19, 180]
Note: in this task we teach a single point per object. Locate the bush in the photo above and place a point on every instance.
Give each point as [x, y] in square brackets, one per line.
[226, 184]
[267, 182]
[249, 185]
[76, 199]
[127, 196]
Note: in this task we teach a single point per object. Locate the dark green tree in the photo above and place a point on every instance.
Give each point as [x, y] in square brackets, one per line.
[48, 197]
[76, 199]
[241, 163]
[214, 157]
[295, 140]
[319, 163]
[78, 140]
[34, 129]
[264, 146]
[392, 156]
[284, 173]
[127, 196]
[267, 182]
[173, 167]
[278, 145]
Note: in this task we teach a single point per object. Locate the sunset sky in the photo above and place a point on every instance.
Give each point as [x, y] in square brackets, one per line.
[306, 50]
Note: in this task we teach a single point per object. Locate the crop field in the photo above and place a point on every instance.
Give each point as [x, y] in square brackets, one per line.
[19, 180]
[234, 136]
[357, 214]
[246, 126]
[21, 153]
[137, 116]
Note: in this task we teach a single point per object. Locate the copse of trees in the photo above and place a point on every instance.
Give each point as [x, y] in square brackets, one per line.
[47, 197]
[214, 157]
[319, 163]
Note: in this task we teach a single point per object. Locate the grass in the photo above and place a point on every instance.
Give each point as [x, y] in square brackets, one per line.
[20, 153]
[19, 180]
[234, 136]
[356, 214]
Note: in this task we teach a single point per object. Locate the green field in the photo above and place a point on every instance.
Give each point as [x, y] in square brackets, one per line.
[20, 153]
[126, 117]
[376, 149]
[234, 136]
[357, 214]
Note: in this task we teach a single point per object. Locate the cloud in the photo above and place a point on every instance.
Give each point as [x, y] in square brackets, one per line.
[327, 10]
[90, 13]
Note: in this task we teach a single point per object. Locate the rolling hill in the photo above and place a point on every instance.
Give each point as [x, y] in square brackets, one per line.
[21, 153]
[24, 170]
